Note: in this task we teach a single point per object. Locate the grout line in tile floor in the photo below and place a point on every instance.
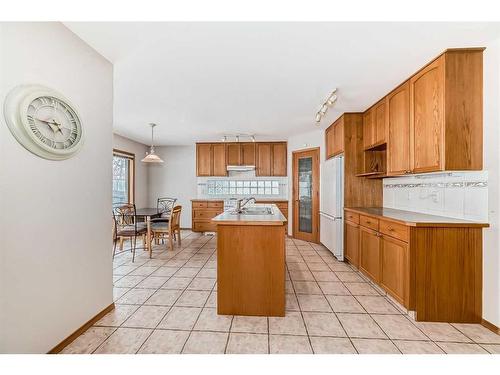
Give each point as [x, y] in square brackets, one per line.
[203, 250]
[170, 307]
[301, 313]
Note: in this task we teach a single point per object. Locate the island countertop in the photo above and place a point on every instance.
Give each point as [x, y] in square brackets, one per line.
[228, 218]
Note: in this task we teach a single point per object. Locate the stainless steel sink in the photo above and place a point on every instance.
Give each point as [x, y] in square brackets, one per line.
[255, 211]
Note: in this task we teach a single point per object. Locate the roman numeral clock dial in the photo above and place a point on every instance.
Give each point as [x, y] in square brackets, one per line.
[44, 122]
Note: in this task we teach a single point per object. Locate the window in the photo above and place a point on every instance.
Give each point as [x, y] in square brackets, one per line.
[123, 176]
[244, 187]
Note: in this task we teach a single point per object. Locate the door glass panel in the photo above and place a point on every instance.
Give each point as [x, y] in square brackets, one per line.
[305, 194]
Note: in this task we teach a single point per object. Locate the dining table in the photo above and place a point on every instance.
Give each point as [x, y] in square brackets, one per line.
[146, 214]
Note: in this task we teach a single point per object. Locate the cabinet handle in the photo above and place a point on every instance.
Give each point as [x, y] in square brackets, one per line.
[368, 222]
[390, 229]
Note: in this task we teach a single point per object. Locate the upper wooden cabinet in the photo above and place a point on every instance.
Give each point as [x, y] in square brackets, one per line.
[240, 153]
[398, 143]
[446, 113]
[271, 159]
[368, 128]
[427, 118]
[203, 159]
[278, 157]
[211, 159]
[375, 125]
[248, 153]
[334, 138]
[380, 122]
[219, 159]
[434, 121]
[263, 164]
[233, 151]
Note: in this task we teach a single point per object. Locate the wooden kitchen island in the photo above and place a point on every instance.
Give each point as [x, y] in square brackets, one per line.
[251, 263]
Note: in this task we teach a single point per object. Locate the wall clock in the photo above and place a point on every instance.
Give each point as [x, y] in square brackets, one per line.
[43, 122]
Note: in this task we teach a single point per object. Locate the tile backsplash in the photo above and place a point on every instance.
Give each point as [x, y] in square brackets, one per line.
[462, 195]
[239, 184]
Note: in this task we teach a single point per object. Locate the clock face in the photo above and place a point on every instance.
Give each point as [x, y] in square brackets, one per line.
[44, 122]
[53, 123]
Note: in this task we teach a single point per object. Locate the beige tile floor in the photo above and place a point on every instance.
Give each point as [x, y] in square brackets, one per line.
[168, 305]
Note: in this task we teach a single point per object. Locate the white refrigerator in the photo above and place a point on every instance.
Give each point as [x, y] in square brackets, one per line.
[332, 206]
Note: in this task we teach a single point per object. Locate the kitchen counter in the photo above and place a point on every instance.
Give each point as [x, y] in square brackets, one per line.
[414, 219]
[251, 263]
[228, 218]
[207, 200]
[223, 199]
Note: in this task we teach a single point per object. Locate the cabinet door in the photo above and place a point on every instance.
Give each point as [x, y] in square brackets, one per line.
[203, 159]
[263, 159]
[395, 277]
[219, 159]
[278, 159]
[369, 245]
[233, 151]
[329, 141]
[398, 152]
[351, 243]
[248, 153]
[338, 137]
[427, 118]
[368, 129]
[379, 120]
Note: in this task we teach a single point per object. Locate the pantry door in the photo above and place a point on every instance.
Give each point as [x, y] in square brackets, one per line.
[306, 195]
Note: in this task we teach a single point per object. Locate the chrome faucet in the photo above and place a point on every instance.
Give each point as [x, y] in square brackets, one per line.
[239, 204]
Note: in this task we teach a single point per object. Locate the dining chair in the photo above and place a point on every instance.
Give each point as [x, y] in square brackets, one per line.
[164, 206]
[125, 225]
[171, 228]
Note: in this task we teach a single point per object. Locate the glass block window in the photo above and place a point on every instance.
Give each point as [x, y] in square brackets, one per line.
[243, 187]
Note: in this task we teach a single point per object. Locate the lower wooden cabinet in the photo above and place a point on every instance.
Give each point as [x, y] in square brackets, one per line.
[395, 268]
[431, 268]
[203, 212]
[351, 243]
[369, 249]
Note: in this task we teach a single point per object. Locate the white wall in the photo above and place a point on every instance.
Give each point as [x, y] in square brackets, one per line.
[491, 239]
[141, 169]
[55, 254]
[176, 178]
[314, 138]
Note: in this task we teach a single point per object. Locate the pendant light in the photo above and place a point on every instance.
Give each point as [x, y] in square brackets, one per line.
[151, 157]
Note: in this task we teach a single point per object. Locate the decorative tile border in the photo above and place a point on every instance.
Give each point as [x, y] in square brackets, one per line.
[473, 184]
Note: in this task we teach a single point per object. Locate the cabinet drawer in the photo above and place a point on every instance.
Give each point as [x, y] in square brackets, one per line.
[199, 204]
[395, 230]
[352, 217]
[215, 204]
[205, 214]
[204, 226]
[368, 222]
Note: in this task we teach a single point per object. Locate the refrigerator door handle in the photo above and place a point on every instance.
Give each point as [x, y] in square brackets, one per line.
[330, 216]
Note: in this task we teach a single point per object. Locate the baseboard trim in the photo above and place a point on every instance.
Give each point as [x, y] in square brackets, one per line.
[490, 326]
[68, 340]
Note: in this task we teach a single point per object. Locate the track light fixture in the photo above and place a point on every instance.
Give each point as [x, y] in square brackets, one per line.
[332, 98]
[237, 137]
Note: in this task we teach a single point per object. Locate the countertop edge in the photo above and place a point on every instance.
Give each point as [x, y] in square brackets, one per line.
[280, 220]
[464, 224]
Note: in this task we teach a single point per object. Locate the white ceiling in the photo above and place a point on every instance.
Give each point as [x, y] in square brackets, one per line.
[199, 81]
